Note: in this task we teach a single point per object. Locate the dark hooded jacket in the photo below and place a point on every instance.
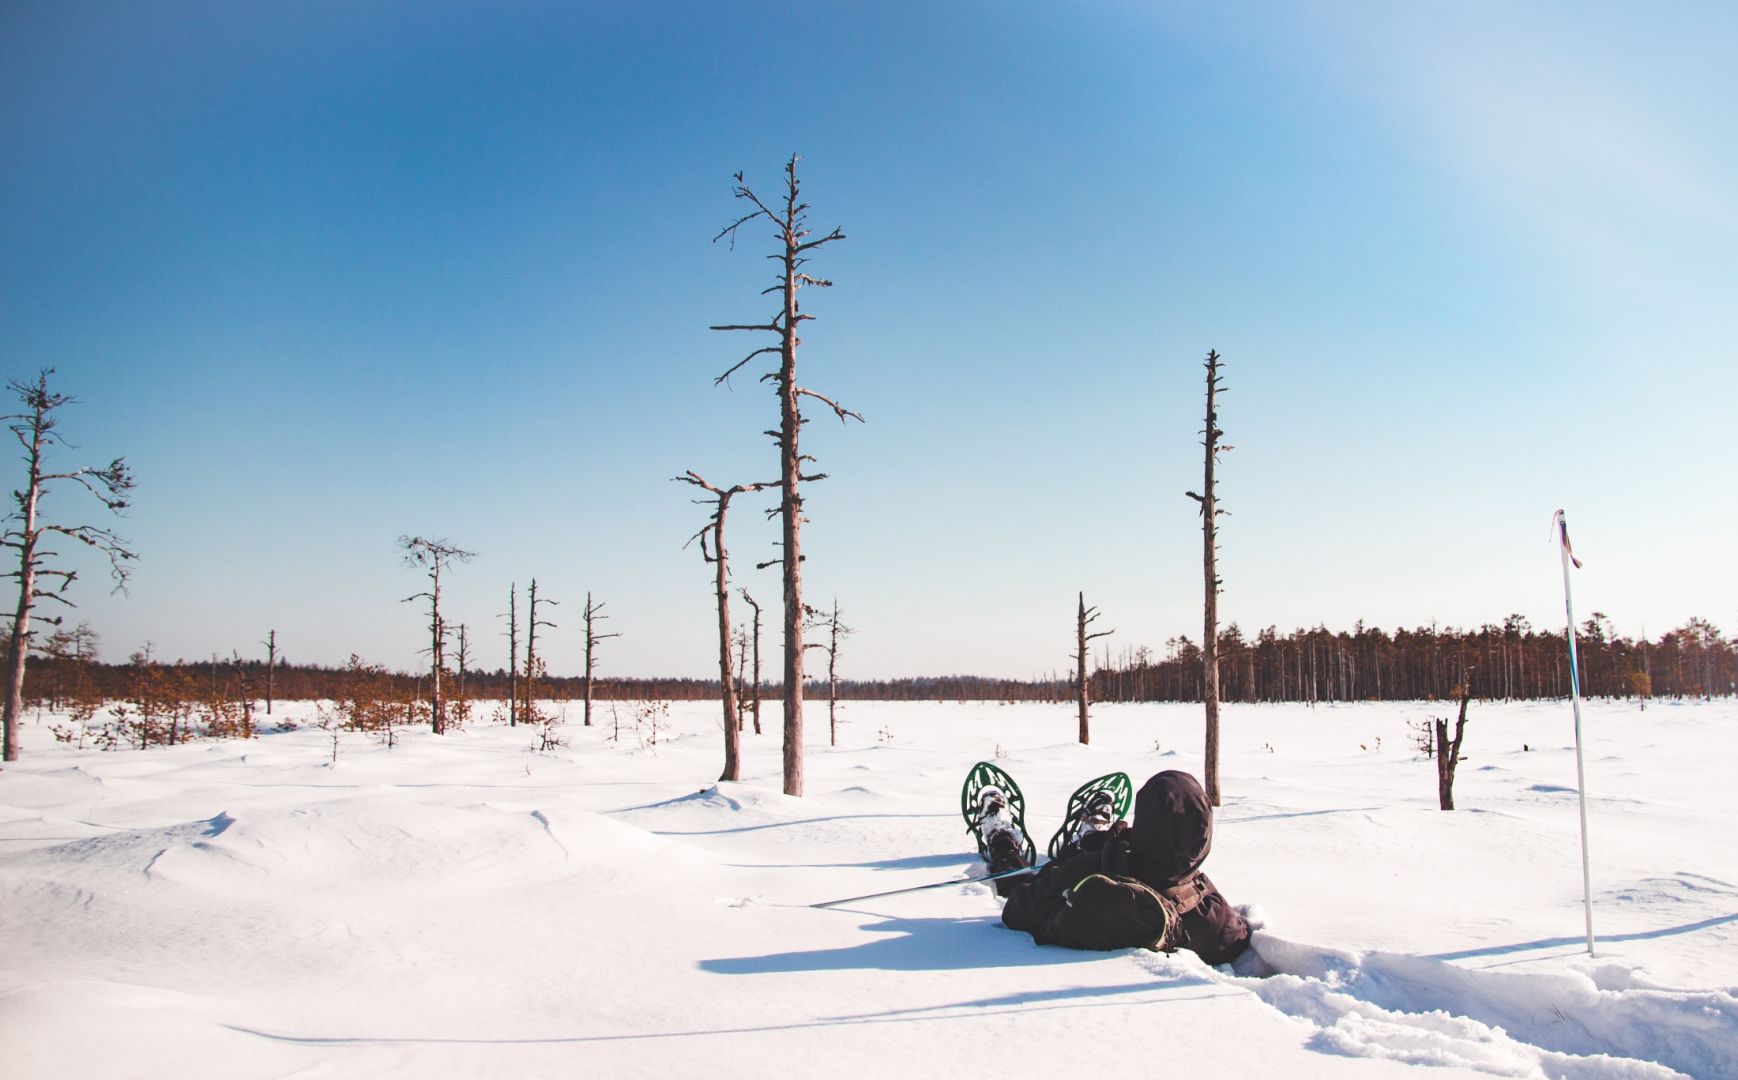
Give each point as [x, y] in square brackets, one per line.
[1164, 849]
[1172, 834]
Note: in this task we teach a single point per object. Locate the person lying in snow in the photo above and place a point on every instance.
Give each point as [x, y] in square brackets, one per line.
[1110, 884]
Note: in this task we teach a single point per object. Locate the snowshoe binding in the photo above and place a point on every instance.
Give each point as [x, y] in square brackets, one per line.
[1094, 807]
[995, 814]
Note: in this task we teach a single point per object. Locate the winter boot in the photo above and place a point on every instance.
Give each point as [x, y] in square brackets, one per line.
[990, 802]
[1094, 807]
[1001, 841]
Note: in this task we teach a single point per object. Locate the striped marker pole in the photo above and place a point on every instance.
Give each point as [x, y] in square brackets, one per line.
[1560, 531]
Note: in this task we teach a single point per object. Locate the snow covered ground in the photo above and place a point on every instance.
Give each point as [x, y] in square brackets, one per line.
[465, 906]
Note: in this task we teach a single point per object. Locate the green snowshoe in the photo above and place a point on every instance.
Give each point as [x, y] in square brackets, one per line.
[1094, 806]
[991, 803]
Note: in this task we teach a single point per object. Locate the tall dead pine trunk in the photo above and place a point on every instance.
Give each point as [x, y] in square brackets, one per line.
[1448, 753]
[512, 617]
[789, 220]
[1084, 617]
[719, 557]
[271, 644]
[593, 616]
[1209, 501]
[464, 659]
[532, 622]
[35, 431]
[433, 556]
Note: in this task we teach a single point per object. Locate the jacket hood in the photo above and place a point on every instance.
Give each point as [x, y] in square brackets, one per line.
[1173, 829]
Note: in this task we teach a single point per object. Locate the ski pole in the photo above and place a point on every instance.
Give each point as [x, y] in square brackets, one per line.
[931, 885]
[1560, 526]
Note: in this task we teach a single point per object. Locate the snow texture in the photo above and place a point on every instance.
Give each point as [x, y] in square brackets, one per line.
[464, 906]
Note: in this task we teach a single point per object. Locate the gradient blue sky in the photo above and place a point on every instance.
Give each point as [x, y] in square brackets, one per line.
[327, 273]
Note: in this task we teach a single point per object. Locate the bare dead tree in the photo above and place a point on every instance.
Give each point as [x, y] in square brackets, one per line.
[35, 429]
[532, 622]
[1082, 681]
[271, 644]
[1448, 751]
[829, 622]
[512, 635]
[432, 557]
[754, 690]
[244, 698]
[593, 616]
[739, 639]
[464, 658]
[1210, 512]
[796, 243]
[719, 556]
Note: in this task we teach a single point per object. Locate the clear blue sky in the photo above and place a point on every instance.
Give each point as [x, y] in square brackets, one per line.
[327, 273]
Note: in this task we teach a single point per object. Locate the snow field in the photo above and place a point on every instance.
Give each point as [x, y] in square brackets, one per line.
[463, 906]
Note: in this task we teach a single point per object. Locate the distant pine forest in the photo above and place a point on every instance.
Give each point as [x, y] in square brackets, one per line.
[1506, 661]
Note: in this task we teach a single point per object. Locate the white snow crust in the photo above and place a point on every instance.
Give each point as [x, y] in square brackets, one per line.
[463, 906]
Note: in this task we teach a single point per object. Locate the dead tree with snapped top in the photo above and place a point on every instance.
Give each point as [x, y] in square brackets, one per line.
[754, 686]
[829, 621]
[464, 659]
[1084, 618]
[739, 641]
[796, 244]
[719, 556]
[271, 644]
[593, 616]
[1209, 500]
[433, 556]
[512, 636]
[1448, 750]
[532, 622]
[26, 532]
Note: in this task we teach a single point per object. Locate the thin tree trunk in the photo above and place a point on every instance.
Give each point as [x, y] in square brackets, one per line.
[833, 676]
[271, 667]
[791, 519]
[1080, 670]
[1210, 579]
[531, 653]
[437, 707]
[726, 677]
[720, 558]
[590, 646]
[18, 647]
[513, 654]
[756, 709]
[740, 642]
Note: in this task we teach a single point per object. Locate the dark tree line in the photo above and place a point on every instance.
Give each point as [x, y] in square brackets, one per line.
[1505, 662]
[51, 680]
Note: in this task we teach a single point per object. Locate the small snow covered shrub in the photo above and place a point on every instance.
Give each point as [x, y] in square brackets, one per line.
[1423, 737]
[651, 722]
[549, 736]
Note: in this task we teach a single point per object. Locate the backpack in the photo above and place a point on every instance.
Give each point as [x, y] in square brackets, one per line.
[1108, 911]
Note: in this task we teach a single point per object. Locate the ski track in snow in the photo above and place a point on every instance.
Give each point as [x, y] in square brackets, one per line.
[1582, 1025]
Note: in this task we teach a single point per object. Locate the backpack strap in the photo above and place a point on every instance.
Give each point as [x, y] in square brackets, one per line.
[1186, 895]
